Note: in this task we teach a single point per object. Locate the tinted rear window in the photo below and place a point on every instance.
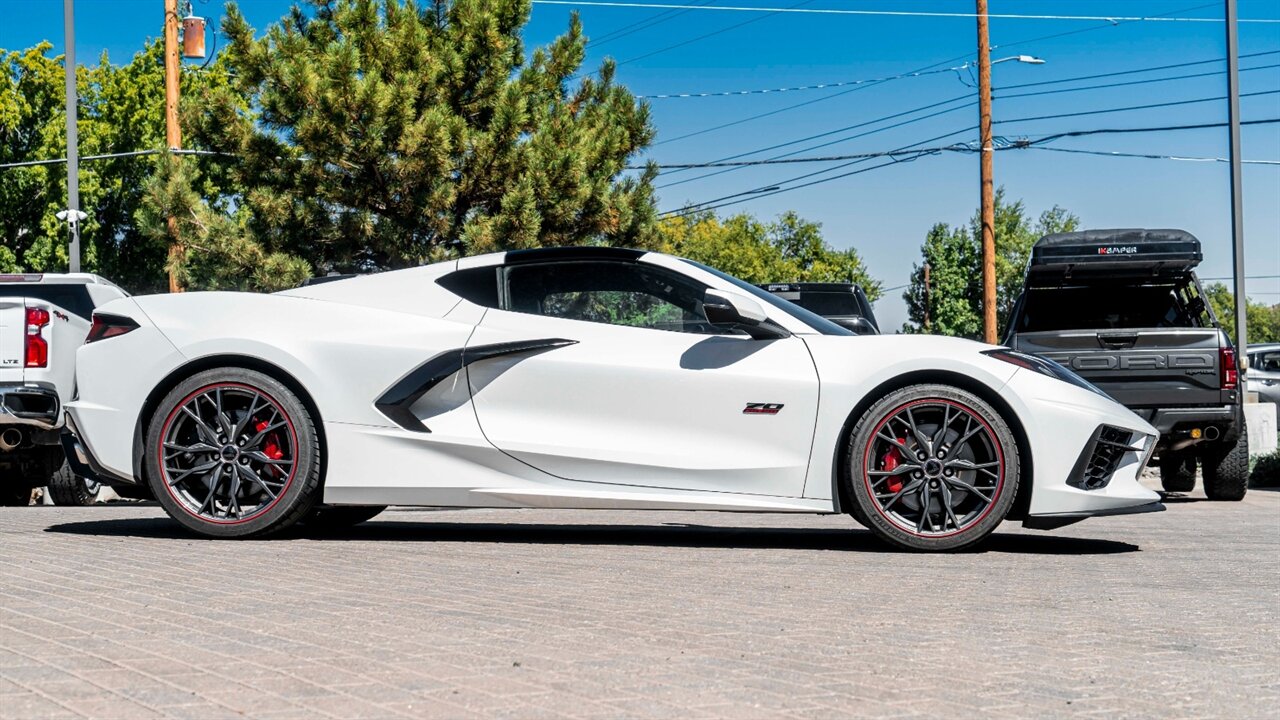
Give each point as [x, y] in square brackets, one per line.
[1104, 308]
[829, 303]
[72, 298]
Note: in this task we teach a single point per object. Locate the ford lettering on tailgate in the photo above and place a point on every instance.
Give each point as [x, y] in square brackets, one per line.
[1129, 361]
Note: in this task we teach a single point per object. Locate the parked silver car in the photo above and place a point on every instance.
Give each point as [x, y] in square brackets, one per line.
[1264, 373]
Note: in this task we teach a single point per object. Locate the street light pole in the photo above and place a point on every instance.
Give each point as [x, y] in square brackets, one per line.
[172, 132]
[1237, 186]
[73, 141]
[988, 209]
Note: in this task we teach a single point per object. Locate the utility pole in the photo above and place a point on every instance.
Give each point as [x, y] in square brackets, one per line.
[988, 211]
[172, 132]
[73, 141]
[1237, 186]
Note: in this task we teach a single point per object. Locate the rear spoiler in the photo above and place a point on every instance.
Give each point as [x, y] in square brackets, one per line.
[1094, 255]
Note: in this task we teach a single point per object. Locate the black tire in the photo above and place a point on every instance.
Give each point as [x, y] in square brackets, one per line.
[12, 496]
[974, 515]
[66, 488]
[1177, 472]
[339, 517]
[234, 461]
[1226, 469]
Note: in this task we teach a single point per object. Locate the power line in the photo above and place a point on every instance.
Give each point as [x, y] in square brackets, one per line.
[918, 70]
[1166, 128]
[713, 33]
[1003, 143]
[718, 162]
[1133, 107]
[637, 26]
[760, 192]
[1135, 71]
[899, 13]
[1214, 73]
[1114, 153]
[820, 86]
[111, 156]
[838, 140]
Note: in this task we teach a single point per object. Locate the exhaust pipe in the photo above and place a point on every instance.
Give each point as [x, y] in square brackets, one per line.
[10, 439]
[1212, 433]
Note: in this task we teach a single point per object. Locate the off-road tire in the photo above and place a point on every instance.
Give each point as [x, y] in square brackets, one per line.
[66, 488]
[296, 499]
[1178, 472]
[859, 449]
[327, 518]
[1226, 468]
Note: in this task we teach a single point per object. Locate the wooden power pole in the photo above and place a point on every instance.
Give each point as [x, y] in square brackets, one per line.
[172, 132]
[988, 189]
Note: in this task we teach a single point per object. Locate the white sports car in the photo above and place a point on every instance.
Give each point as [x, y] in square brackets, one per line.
[583, 378]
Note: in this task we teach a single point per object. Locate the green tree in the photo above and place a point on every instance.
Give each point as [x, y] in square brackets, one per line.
[392, 133]
[121, 109]
[788, 249]
[1263, 320]
[953, 303]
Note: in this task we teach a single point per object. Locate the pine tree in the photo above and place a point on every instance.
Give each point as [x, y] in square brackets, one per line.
[387, 134]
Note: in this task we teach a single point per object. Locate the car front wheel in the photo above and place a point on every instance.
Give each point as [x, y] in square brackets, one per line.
[233, 453]
[932, 467]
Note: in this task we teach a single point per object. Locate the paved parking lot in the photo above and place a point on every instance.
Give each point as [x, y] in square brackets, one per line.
[112, 612]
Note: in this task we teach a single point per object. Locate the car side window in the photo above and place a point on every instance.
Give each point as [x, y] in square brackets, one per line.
[611, 292]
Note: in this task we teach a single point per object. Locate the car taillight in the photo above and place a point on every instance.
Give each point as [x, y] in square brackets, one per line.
[1228, 371]
[109, 326]
[37, 348]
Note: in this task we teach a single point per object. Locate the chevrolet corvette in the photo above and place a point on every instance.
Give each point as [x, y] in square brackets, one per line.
[582, 378]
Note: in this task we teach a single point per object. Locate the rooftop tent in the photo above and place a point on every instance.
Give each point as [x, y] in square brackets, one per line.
[1104, 255]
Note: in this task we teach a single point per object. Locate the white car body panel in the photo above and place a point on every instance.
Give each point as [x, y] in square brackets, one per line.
[622, 418]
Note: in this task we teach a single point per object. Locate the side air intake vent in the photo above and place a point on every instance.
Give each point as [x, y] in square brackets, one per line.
[1101, 458]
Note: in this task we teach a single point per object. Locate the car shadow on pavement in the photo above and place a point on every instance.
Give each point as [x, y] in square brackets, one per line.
[657, 535]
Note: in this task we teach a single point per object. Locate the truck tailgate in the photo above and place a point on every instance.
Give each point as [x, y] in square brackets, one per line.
[1139, 368]
[13, 328]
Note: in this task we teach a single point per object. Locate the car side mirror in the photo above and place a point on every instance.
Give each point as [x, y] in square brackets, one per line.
[728, 309]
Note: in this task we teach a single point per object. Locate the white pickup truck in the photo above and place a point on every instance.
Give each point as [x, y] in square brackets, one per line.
[44, 318]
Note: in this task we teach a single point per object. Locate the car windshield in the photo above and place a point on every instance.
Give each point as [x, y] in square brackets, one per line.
[817, 322]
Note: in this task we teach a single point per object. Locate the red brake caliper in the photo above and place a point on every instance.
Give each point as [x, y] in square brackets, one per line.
[891, 461]
[271, 448]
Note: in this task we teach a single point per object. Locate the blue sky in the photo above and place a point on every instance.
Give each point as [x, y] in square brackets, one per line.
[885, 213]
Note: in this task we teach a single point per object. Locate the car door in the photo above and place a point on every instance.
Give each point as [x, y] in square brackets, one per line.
[627, 384]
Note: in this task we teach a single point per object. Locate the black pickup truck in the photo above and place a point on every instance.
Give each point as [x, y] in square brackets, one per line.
[1124, 309]
[844, 304]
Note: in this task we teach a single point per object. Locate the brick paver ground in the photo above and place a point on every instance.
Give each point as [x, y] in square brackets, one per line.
[113, 612]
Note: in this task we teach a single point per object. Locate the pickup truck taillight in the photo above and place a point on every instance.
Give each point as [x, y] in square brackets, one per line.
[37, 348]
[1228, 371]
[109, 326]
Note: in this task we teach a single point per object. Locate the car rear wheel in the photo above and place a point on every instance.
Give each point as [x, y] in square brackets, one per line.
[932, 467]
[1177, 472]
[66, 488]
[1226, 468]
[233, 453]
